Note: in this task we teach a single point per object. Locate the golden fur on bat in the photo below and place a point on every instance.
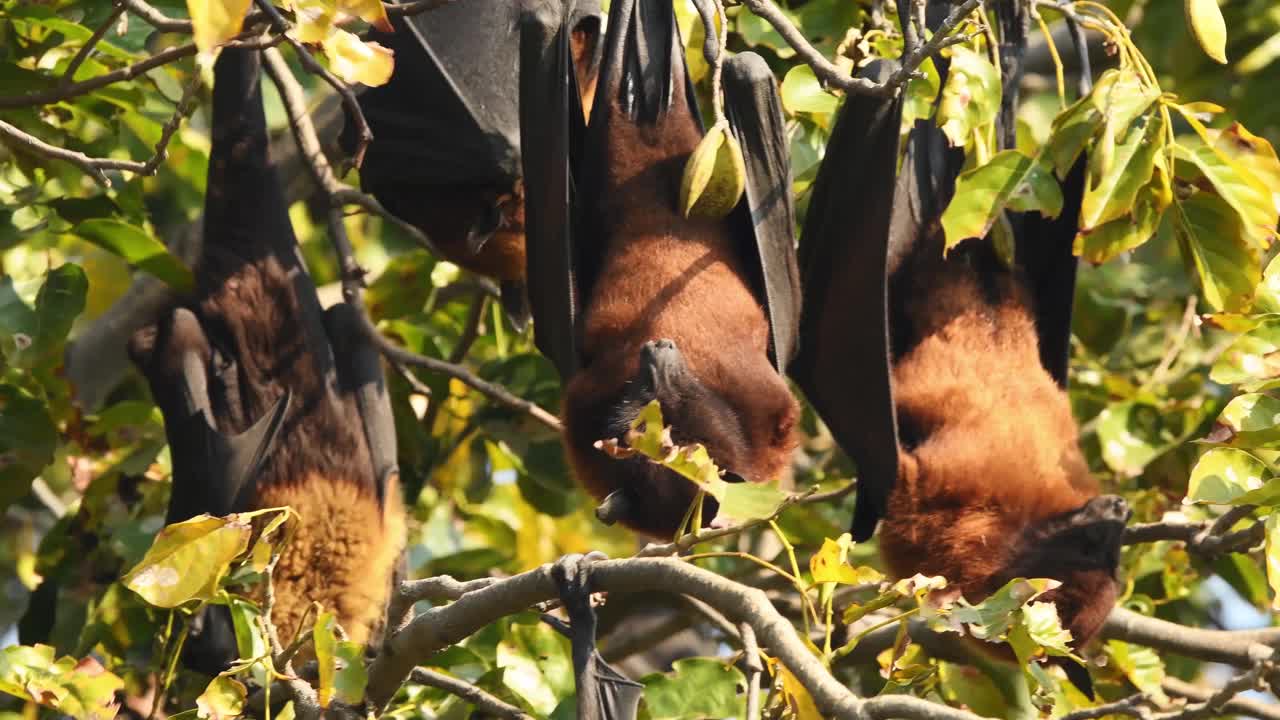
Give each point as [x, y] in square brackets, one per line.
[990, 447]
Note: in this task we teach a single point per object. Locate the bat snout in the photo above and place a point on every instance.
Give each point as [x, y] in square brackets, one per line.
[1112, 508]
[661, 362]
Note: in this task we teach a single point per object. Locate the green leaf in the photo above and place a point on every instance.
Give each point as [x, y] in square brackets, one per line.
[402, 288]
[1253, 419]
[1241, 189]
[1227, 264]
[82, 689]
[1130, 436]
[992, 618]
[696, 688]
[1045, 629]
[1009, 179]
[138, 248]
[1110, 194]
[1252, 356]
[1117, 98]
[188, 559]
[1142, 666]
[537, 666]
[1226, 476]
[801, 92]
[222, 699]
[1272, 551]
[714, 176]
[750, 501]
[1125, 233]
[971, 97]
[28, 440]
[35, 335]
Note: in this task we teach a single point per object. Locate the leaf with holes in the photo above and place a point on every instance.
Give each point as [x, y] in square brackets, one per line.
[1110, 194]
[971, 97]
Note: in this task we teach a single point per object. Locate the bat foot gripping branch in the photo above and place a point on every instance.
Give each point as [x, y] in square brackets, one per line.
[604, 693]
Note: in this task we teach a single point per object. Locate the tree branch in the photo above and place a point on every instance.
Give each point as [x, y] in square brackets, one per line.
[480, 699]
[442, 626]
[833, 76]
[1233, 647]
[87, 49]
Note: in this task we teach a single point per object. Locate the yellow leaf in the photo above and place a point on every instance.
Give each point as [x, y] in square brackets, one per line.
[1273, 558]
[222, 699]
[215, 21]
[1204, 17]
[314, 20]
[370, 11]
[356, 61]
[188, 559]
[714, 176]
[795, 693]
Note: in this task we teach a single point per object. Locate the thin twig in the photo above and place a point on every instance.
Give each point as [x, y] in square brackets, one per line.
[1199, 537]
[1172, 352]
[416, 7]
[58, 94]
[480, 699]
[1133, 706]
[91, 166]
[684, 542]
[1234, 706]
[364, 135]
[352, 274]
[755, 669]
[87, 49]
[833, 76]
[471, 331]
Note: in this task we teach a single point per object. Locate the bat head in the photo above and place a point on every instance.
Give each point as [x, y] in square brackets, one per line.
[1081, 548]
[749, 444]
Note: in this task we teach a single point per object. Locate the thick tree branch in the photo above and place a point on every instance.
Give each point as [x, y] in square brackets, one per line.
[1233, 647]
[482, 700]
[442, 626]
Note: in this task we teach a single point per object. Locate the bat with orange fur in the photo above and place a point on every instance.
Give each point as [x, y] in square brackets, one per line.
[632, 300]
[943, 375]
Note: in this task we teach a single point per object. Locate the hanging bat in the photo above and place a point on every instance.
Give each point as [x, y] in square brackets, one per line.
[631, 300]
[445, 155]
[268, 400]
[947, 386]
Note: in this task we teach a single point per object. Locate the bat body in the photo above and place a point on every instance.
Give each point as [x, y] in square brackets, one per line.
[632, 300]
[947, 389]
[269, 400]
[446, 150]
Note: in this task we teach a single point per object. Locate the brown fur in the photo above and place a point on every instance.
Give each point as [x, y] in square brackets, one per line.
[343, 553]
[996, 454]
[664, 276]
[339, 556]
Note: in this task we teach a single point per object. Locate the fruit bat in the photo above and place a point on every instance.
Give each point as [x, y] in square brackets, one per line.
[631, 300]
[269, 400]
[943, 375]
[445, 155]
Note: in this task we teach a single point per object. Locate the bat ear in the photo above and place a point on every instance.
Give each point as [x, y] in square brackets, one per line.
[784, 423]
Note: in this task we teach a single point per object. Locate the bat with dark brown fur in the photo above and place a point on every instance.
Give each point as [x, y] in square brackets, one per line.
[445, 155]
[632, 300]
[268, 399]
[943, 376]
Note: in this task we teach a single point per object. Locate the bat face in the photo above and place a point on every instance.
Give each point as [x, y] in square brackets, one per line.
[750, 443]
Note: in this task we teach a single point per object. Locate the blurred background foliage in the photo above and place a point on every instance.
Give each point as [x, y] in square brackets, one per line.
[83, 488]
